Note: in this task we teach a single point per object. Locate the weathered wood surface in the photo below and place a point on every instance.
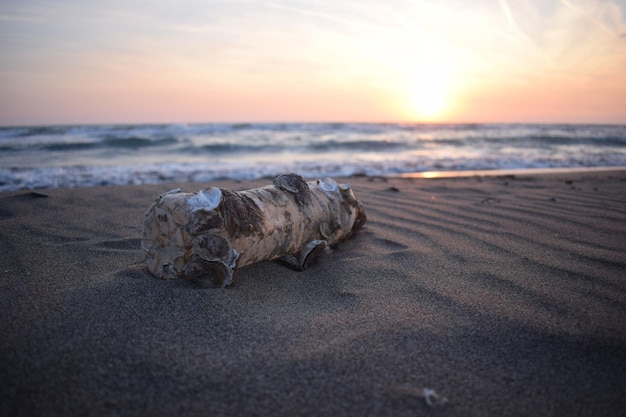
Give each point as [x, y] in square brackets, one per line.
[206, 236]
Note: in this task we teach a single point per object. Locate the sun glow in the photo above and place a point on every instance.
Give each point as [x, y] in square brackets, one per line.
[430, 93]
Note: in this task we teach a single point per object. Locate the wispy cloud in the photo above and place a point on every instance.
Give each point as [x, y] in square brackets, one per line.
[16, 18]
[454, 17]
[506, 9]
[309, 12]
[591, 16]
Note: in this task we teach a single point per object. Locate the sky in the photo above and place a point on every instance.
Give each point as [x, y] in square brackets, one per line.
[185, 61]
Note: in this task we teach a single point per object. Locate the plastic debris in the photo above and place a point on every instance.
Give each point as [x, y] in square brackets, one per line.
[433, 399]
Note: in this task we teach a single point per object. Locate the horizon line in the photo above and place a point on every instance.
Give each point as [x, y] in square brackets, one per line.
[329, 122]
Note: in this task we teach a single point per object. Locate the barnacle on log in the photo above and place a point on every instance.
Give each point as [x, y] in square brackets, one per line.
[206, 236]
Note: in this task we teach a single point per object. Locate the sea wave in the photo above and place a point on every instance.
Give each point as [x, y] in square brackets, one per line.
[70, 156]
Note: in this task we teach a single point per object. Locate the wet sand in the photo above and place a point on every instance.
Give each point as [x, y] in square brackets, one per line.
[505, 295]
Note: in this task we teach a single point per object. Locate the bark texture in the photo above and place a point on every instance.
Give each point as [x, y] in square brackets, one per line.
[206, 236]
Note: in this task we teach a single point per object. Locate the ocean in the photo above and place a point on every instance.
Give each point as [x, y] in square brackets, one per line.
[102, 155]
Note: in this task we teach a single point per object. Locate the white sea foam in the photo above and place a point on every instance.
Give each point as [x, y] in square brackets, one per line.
[78, 156]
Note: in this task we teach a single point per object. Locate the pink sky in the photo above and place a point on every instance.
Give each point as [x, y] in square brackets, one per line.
[72, 62]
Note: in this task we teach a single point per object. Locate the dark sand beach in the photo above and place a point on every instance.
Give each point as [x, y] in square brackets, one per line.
[506, 295]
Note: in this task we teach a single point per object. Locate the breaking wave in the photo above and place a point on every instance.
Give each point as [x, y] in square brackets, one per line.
[73, 156]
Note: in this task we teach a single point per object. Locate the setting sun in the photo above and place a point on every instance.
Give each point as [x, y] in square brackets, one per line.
[430, 94]
[429, 97]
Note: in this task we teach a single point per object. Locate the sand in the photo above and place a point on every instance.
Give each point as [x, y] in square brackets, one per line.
[505, 295]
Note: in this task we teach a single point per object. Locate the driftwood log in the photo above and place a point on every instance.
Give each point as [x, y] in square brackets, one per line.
[205, 236]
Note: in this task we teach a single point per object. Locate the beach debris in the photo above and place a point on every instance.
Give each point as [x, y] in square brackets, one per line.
[433, 399]
[205, 236]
